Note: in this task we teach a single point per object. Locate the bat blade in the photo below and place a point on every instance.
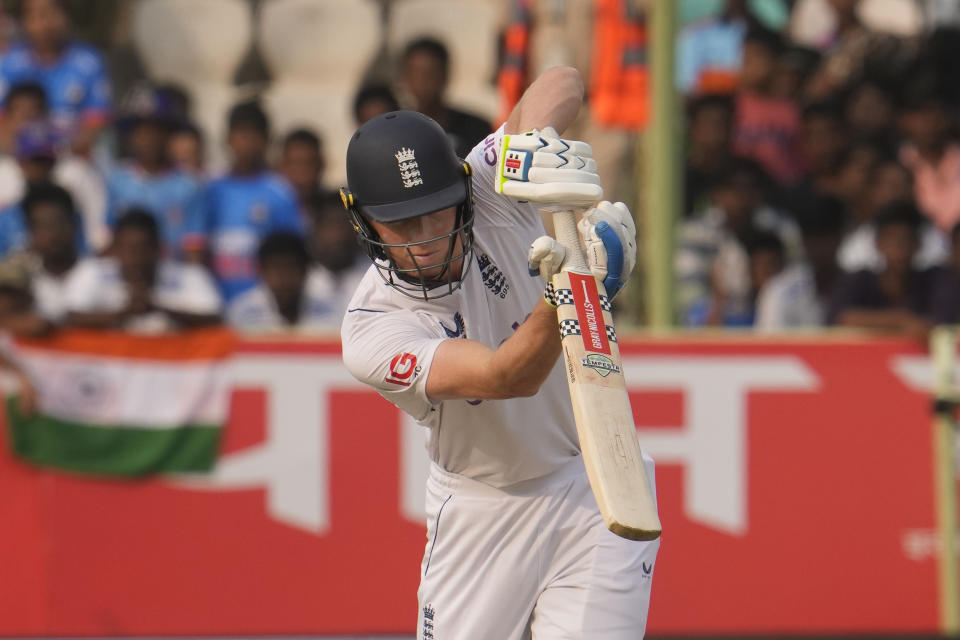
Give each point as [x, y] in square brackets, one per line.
[601, 407]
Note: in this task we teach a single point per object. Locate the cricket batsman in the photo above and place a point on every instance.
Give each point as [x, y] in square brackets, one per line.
[453, 324]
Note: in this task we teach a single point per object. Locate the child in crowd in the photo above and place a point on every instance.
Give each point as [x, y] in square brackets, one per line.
[766, 128]
[822, 145]
[888, 182]
[247, 204]
[39, 153]
[337, 264]
[898, 297]
[709, 120]
[284, 297]
[797, 297]
[302, 164]
[186, 149]
[72, 74]
[25, 102]
[372, 101]
[36, 153]
[51, 254]
[149, 181]
[869, 112]
[713, 279]
[136, 289]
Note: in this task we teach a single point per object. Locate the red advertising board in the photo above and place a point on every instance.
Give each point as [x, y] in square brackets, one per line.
[794, 482]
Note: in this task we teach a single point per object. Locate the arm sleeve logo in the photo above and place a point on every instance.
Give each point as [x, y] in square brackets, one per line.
[402, 368]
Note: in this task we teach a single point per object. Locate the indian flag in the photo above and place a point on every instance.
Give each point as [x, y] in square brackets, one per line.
[123, 404]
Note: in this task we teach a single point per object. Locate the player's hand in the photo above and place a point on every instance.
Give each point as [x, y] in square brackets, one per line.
[539, 166]
[545, 257]
[610, 238]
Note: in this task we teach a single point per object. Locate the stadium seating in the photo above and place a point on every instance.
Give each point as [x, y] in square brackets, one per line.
[317, 52]
[198, 45]
[469, 30]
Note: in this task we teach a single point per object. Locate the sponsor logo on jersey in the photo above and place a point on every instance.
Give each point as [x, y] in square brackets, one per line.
[403, 368]
[409, 169]
[490, 150]
[428, 613]
[492, 277]
[601, 364]
[586, 300]
[459, 330]
[647, 570]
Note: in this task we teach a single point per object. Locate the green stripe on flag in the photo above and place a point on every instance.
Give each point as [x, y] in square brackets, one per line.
[110, 449]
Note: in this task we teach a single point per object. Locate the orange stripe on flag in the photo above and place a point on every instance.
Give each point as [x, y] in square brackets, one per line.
[197, 344]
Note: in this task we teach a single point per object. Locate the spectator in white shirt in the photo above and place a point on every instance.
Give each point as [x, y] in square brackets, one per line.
[797, 297]
[284, 298]
[51, 221]
[134, 289]
[337, 264]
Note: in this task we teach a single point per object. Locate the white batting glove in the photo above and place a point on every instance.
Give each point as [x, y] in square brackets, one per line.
[539, 166]
[610, 238]
[545, 257]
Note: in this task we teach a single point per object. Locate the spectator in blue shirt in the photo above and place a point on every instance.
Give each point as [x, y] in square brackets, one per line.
[22, 103]
[73, 74]
[302, 164]
[247, 204]
[149, 180]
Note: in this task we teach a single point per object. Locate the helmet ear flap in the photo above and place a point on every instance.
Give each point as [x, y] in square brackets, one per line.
[366, 236]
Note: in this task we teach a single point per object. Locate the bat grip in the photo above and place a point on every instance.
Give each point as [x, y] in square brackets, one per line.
[565, 230]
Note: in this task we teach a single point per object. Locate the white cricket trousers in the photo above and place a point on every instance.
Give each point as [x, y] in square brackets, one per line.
[533, 560]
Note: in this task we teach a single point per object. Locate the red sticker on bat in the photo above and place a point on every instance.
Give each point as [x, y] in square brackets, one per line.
[586, 299]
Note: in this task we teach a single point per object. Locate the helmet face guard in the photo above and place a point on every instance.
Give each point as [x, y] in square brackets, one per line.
[411, 281]
[401, 165]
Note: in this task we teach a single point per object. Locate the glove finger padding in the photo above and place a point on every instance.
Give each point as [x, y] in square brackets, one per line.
[545, 257]
[609, 237]
[542, 167]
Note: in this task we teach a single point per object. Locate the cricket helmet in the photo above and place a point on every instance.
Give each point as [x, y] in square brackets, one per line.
[402, 165]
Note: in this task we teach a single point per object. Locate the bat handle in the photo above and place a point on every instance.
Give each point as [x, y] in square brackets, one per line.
[565, 230]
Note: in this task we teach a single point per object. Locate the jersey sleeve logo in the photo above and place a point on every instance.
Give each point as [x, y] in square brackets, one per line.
[402, 369]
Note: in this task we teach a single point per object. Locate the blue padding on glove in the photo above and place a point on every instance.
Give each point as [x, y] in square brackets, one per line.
[611, 242]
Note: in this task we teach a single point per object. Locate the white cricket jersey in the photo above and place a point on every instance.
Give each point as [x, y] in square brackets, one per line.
[389, 341]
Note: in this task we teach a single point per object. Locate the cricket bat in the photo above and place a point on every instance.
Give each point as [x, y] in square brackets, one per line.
[601, 406]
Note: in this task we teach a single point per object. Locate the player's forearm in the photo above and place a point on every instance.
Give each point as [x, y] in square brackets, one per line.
[522, 363]
[466, 369]
[553, 100]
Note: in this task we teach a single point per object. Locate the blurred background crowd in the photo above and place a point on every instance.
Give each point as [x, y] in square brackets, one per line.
[173, 163]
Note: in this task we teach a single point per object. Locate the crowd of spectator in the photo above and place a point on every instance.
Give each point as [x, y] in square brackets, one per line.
[821, 183]
[822, 180]
[111, 220]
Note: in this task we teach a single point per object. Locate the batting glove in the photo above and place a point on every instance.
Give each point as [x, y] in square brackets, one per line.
[539, 166]
[545, 257]
[610, 238]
